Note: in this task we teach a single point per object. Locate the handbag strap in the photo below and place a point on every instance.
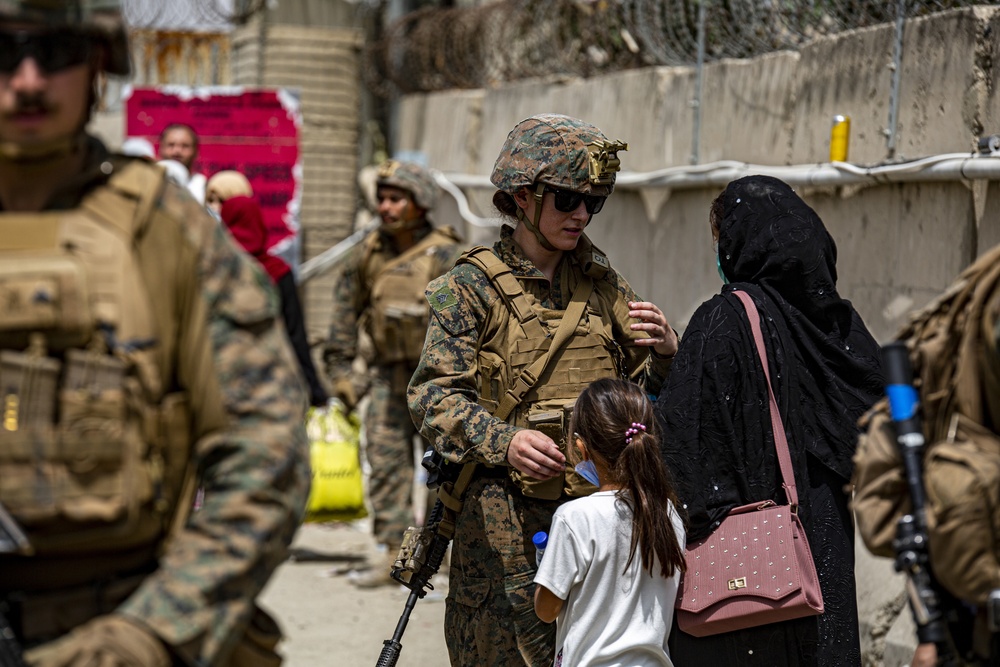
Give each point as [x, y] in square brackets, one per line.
[777, 426]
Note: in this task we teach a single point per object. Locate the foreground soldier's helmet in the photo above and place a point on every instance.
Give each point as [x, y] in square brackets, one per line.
[100, 18]
[410, 177]
[560, 151]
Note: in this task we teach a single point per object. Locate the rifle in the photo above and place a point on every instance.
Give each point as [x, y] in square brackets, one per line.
[12, 540]
[423, 549]
[911, 543]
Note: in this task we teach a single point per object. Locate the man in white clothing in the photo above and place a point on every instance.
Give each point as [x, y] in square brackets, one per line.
[180, 142]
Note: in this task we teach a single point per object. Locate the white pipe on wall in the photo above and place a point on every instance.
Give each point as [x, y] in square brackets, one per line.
[946, 167]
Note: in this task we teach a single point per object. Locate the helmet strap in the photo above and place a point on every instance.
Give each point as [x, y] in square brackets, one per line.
[41, 152]
[533, 226]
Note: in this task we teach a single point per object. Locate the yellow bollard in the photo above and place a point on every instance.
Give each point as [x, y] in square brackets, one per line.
[840, 137]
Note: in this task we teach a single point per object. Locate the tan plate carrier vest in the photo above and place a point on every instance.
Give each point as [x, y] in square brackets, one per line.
[400, 312]
[93, 452]
[517, 332]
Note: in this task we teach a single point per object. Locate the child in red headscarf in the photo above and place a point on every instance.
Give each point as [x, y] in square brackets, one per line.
[243, 217]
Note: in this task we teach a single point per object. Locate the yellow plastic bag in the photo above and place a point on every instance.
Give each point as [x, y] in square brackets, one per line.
[337, 492]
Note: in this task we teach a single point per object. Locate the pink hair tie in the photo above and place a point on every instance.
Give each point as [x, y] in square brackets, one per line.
[635, 428]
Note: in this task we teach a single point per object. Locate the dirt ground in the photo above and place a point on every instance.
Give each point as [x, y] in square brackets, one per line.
[329, 623]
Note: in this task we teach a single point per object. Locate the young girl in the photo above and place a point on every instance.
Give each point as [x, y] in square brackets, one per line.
[610, 570]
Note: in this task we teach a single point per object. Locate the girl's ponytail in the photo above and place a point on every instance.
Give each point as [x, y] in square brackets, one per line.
[647, 481]
[615, 419]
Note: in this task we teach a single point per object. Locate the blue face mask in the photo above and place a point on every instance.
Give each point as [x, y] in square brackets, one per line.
[588, 471]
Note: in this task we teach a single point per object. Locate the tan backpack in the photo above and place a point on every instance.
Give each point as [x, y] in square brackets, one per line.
[952, 345]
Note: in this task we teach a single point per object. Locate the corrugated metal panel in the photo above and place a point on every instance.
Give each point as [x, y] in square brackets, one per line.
[178, 57]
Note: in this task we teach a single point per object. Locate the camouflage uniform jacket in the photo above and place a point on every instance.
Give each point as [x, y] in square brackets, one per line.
[443, 391]
[229, 354]
[352, 295]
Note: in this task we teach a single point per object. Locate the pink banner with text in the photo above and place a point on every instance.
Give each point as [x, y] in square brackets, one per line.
[255, 132]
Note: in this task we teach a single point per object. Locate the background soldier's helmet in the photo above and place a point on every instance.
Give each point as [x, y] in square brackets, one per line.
[100, 18]
[560, 151]
[410, 177]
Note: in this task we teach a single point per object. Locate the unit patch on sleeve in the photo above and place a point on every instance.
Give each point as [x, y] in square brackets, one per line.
[442, 298]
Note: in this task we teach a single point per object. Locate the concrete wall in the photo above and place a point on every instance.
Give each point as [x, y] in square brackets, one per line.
[899, 244]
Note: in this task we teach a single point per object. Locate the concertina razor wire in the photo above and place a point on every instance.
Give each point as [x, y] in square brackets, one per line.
[483, 46]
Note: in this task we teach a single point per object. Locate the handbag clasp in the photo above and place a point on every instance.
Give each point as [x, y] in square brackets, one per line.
[736, 584]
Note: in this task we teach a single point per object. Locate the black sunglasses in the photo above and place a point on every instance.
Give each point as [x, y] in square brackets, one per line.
[53, 51]
[567, 201]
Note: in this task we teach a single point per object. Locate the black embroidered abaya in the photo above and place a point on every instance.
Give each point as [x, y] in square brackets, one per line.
[718, 441]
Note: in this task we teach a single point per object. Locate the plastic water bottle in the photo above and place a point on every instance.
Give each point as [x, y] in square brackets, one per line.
[540, 540]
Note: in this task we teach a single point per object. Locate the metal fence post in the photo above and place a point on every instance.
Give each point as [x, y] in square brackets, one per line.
[699, 76]
[897, 59]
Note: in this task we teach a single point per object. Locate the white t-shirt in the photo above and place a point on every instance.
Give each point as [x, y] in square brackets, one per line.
[608, 619]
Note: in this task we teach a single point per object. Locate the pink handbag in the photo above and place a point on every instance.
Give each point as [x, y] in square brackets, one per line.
[756, 567]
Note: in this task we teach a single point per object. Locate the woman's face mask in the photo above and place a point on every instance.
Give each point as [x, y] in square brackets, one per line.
[718, 264]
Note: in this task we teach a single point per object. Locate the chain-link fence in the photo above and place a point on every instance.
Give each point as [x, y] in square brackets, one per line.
[203, 15]
[506, 40]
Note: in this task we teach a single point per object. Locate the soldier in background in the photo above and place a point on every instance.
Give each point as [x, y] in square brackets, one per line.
[381, 292]
[141, 356]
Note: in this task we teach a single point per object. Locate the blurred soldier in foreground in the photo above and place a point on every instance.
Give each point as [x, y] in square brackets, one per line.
[140, 356]
[927, 469]
[382, 293]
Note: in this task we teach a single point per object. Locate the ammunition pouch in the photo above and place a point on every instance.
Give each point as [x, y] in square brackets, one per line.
[398, 329]
[553, 419]
[84, 460]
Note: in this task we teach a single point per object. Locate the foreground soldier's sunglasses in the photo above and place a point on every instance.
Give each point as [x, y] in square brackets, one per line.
[567, 201]
[53, 51]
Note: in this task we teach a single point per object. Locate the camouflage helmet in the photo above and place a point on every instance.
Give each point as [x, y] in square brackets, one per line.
[410, 177]
[560, 151]
[100, 18]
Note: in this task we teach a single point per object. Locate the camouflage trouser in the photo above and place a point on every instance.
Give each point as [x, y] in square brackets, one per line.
[490, 616]
[389, 432]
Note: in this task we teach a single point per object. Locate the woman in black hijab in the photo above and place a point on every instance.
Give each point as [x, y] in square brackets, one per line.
[718, 442]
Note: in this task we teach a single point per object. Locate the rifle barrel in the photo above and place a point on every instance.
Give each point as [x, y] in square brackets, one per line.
[391, 648]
